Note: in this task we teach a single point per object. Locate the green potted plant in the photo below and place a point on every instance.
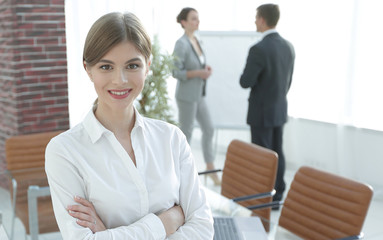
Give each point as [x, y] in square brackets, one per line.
[154, 99]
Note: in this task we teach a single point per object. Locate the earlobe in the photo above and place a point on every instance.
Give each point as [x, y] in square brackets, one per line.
[88, 71]
[148, 67]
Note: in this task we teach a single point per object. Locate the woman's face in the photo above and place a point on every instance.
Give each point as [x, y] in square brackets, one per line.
[119, 76]
[192, 21]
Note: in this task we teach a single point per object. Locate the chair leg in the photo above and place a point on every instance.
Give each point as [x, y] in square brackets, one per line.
[33, 193]
[14, 194]
[32, 212]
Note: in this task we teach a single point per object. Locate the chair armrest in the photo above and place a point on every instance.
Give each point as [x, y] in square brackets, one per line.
[360, 236]
[33, 193]
[266, 205]
[254, 196]
[209, 171]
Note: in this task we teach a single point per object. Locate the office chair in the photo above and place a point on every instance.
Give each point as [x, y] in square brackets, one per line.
[31, 202]
[249, 175]
[321, 205]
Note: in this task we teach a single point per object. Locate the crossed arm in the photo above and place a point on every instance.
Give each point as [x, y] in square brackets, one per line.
[86, 216]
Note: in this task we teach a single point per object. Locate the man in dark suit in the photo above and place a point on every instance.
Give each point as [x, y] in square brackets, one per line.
[268, 72]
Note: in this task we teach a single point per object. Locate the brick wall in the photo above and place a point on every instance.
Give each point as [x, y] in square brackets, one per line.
[33, 68]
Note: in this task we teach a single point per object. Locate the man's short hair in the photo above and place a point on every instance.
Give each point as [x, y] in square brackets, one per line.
[269, 12]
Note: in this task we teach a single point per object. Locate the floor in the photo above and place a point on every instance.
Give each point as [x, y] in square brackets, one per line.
[372, 228]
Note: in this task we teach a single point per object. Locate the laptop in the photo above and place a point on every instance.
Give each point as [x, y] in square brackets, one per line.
[239, 228]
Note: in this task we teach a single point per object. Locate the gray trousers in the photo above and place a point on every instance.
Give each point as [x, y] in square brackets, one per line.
[187, 112]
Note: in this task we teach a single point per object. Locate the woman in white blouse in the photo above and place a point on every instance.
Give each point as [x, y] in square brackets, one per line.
[118, 175]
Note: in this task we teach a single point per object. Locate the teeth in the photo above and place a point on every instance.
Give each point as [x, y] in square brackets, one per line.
[118, 93]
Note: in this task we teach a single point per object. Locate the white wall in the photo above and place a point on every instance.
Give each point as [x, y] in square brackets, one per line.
[226, 53]
[348, 151]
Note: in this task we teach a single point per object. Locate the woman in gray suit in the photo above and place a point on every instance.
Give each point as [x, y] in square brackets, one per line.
[192, 73]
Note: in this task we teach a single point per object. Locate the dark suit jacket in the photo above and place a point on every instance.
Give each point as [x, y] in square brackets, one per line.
[268, 72]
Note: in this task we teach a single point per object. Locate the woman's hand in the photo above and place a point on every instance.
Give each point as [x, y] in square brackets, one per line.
[86, 215]
[172, 219]
[206, 72]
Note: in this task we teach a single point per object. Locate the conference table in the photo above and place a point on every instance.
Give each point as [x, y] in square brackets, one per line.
[222, 206]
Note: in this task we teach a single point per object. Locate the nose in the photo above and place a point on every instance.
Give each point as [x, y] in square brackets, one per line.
[121, 77]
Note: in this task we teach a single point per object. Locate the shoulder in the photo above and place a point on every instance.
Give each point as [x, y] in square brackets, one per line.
[182, 41]
[67, 139]
[162, 129]
[258, 49]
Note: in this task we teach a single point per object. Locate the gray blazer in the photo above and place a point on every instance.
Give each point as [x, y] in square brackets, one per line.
[186, 58]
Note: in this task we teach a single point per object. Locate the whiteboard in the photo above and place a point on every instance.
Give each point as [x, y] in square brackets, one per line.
[226, 52]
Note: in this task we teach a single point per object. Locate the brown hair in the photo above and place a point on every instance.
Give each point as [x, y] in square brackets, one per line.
[112, 29]
[269, 12]
[183, 15]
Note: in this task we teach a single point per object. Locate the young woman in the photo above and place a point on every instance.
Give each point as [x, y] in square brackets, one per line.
[192, 73]
[118, 175]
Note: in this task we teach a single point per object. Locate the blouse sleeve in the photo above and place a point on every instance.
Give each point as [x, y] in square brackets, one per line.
[65, 182]
[198, 218]
[179, 54]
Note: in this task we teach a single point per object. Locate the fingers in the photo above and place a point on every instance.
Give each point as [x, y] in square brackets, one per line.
[83, 201]
[86, 224]
[81, 216]
[83, 212]
[91, 225]
[86, 215]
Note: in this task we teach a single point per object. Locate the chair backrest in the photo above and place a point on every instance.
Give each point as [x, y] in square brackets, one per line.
[25, 157]
[27, 151]
[321, 205]
[249, 169]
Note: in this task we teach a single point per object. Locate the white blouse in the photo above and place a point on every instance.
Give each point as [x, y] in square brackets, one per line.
[88, 161]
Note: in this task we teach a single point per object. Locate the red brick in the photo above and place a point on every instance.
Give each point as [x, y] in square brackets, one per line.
[35, 111]
[58, 2]
[31, 18]
[28, 49]
[52, 79]
[24, 65]
[61, 86]
[30, 96]
[43, 103]
[58, 109]
[45, 26]
[55, 94]
[55, 48]
[25, 41]
[45, 64]
[61, 55]
[32, 38]
[26, 25]
[62, 100]
[50, 40]
[34, 56]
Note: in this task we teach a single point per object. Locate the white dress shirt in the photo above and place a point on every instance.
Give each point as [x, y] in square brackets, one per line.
[267, 32]
[88, 161]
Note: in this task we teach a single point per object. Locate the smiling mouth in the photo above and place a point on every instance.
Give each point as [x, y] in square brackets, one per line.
[119, 94]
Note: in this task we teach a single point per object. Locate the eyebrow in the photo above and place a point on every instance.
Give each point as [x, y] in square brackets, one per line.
[129, 61]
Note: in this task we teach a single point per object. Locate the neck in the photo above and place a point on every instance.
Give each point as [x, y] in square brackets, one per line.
[267, 28]
[190, 34]
[117, 122]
